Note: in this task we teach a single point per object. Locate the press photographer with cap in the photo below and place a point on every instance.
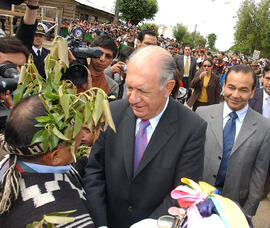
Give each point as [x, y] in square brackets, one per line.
[39, 53]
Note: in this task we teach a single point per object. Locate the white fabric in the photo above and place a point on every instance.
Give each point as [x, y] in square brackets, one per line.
[266, 105]
[36, 50]
[239, 121]
[153, 123]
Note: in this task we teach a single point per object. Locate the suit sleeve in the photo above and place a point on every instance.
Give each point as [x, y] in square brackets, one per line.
[258, 176]
[94, 182]
[190, 165]
[195, 81]
[26, 34]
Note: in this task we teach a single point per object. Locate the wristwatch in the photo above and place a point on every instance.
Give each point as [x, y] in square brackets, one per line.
[32, 7]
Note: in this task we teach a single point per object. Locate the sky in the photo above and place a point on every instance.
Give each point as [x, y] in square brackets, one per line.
[211, 16]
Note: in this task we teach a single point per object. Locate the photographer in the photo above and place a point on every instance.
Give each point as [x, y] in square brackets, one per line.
[14, 52]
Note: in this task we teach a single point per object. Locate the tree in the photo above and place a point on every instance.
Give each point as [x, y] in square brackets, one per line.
[199, 40]
[211, 40]
[149, 26]
[179, 32]
[116, 12]
[136, 11]
[252, 30]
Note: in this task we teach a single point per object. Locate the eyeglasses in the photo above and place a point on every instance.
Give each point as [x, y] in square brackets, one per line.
[206, 65]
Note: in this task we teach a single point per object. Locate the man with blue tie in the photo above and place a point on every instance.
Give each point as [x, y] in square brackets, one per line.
[130, 173]
[237, 142]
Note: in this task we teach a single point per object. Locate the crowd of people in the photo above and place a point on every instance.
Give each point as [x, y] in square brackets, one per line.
[129, 174]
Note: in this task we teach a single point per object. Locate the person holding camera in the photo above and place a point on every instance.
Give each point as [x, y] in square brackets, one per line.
[96, 76]
[14, 52]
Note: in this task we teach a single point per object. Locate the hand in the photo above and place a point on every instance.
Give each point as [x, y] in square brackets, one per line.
[6, 99]
[176, 211]
[32, 2]
[203, 74]
[117, 68]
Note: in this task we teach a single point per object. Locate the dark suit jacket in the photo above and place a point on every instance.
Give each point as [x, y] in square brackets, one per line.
[249, 159]
[181, 66]
[213, 89]
[256, 102]
[39, 61]
[119, 198]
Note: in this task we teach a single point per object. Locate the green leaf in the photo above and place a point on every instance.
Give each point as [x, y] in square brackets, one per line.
[38, 137]
[78, 124]
[98, 107]
[57, 117]
[53, 142]
[59, 213]
[57, 73]
[43, 119]
[59, 134]
[50, 95]
[107, 114]
[17, 95]
[45, 142]
[64, 101]
[58, 219]
[87, 112]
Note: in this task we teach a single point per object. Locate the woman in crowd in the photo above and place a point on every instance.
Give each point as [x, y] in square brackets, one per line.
[206, 87]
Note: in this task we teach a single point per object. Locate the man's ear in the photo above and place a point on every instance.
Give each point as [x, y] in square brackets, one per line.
[169, 87]
[54, 157]
[139, 43]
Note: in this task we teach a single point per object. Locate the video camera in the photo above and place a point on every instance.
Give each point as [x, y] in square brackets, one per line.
[8, 77]
[77, 73]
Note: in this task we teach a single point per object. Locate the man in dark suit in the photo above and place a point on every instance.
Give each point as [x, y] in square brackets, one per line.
[261, 103]
[186, 65]
[237, 142]
[39, 53]
[130, 173]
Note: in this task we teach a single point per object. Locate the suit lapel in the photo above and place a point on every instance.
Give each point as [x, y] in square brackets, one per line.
[163, 132]
[216, 124]
[129, 123]
[247, 129]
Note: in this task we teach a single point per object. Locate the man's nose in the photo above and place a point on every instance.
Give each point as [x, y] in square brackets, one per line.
[102, 58]
[134, 97]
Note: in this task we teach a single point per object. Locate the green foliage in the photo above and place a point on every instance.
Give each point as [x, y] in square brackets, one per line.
[67, 110]
[211, 40]
[179, 32]
[149, 26]
[49, 220]
[252, 30]
[198, 40]
[182, 35]
[138, 10]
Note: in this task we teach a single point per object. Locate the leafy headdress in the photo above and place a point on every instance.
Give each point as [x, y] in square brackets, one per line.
[66, 109]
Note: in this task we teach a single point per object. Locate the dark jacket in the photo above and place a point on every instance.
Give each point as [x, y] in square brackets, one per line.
[213, 89]
[256, 102]
[119, 197]
[39, 61]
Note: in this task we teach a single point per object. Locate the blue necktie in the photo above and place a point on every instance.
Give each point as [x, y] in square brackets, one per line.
[228, 141]
[140, 143]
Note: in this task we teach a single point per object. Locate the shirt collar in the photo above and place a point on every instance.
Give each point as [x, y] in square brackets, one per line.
[266, 96]
[44, 168]
[35, 49]
[240, 113]
[154, 121]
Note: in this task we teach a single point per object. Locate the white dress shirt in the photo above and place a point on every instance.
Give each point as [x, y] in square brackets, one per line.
[36, 50]
[239, 121]
[153, 123]
[266, 105]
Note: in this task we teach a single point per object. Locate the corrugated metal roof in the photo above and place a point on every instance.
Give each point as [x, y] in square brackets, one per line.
[95, 5]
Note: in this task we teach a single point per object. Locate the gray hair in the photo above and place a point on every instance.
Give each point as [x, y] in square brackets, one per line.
[167, 69]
